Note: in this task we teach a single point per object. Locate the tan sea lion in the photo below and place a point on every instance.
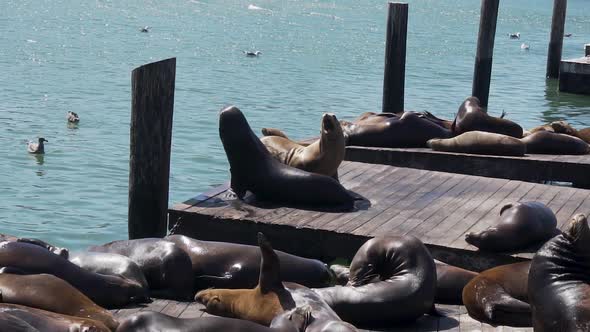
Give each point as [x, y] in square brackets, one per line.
[547, 142]
[322, 156]
[499, 296]
[584, 134]
[48, 292]
[559, 280]
[47, 321]
[480, 142]
[472, 117]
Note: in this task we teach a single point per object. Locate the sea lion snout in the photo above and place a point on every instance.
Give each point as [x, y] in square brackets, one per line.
[472, 238]
[578, 227]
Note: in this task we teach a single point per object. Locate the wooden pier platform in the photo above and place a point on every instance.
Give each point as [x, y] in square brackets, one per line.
[438, 208]
[454, 318]
[532, 167]
[574, 75]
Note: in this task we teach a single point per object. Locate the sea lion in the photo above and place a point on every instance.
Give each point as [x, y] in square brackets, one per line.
[48, 321]
[110, 264]
[480, 142]
[253, 168]
[558, 283]
[392, 280]
[560, 127]
[63, 252]
[271, 297]
[106, 291]
[11, 323]
[472, 117]
[166, 267]
[547, 142]
[450, 281]
[447, 124]
[498, 296]
[232, 265]
[392, 130]
[322, 156]
[584, 134]
[48, 292]
[521, 225]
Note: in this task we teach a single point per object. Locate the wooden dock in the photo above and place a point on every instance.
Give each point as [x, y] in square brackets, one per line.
[532, 167]
[574, 75]
[455, 318]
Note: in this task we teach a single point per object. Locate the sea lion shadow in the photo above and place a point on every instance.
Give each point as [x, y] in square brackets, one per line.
[360, 203]
[444, 323]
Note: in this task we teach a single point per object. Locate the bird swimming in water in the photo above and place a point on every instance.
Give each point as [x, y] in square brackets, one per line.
[514, 35]
[524, 46]
[567, 35]
[37, 148]
[72, 117]
[145, 29]
[252, 53]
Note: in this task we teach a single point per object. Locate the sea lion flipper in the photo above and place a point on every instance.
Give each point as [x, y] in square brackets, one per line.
[506, 207]
[270, 277]
[237, 188]
[273, 132]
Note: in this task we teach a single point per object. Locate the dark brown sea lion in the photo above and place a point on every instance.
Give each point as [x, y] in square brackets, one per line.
[11, 323]
[322, 156]
[499, 296]
[47, 321]
[559, 280]
[48, 292]
[271, 298]
[560, 127]
[166, 267]
[521, 225]
[63, 252]
[450, 281]
[547, 142]
[584, 134]
[253, 168]
[110, 264]
[479, 142]
[392, 280]
[472, 117]
[391, 130]
[447, 124]
[231, 265]
[106, 291]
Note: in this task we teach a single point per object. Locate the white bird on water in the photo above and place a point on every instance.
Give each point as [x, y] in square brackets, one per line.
[72, 117]
[524, 46]
[514, 35]
[252, 53]
[37, 148]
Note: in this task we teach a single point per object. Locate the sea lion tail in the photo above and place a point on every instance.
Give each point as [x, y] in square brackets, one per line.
[270, 276]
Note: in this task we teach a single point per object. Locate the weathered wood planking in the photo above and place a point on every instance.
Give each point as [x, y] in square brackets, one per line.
[453, 318]
[533, 167]
[438, 208]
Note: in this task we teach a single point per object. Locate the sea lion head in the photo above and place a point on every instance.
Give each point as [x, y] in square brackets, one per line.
[562, 127]
[219, 301]
[331, 126]
[297, 319]
[578, 232]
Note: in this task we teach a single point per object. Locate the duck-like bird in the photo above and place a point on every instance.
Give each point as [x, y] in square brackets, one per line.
[37, 148]
[525, 47]
[145, 29]
[72, 117]
[252, 53]
[514, 35]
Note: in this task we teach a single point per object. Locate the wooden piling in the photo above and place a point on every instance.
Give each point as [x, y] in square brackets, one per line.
[152, 104]
[482, 71]
[395, 58]
[556, 41]
[587, 50]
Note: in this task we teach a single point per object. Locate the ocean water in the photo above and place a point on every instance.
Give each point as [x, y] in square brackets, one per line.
[317, 56]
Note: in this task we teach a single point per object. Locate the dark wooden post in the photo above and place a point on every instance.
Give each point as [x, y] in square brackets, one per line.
[556, 41]
[482, 72]
[587, 50]
[395, 58]
[152, 104]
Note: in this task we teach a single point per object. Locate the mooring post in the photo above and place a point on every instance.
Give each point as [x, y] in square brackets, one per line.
[152, 105]
[482, 72]
[395, 58]
[556, 41]
[587, 50]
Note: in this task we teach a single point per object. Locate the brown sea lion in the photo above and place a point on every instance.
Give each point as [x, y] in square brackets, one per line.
[48, 292]
[392, 280]
[106, 291]
[480, 142]
[232, 265]
[546, 142]
[11, 323]
[110, 264]
[450, 281]
[48, 321]
[392, 130]
[322, 156]
[472, 117]
[584, 134]
[63, 252]
[521, 225]
[559, 280]
[166, 267]
[499, 296]
[560, 127]
[271, 298]
[253, 168]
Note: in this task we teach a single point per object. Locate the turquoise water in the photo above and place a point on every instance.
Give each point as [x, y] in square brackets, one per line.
[317, 56]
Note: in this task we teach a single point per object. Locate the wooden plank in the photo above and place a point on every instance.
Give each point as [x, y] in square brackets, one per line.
[157, 305]
[578, 203]
[175, 308]
[469, 324]
[193, 310]
[212, 192]
[128, 311]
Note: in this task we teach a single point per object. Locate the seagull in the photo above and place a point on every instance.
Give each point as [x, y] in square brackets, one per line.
[37, 148]
[567, 35]
[145, 29]
[514, 35]
[524, 46]
[252, 53]
[72, 117]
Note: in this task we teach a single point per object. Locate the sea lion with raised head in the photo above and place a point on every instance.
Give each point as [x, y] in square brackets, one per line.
[546, 142]
[63, 252]
[48, 292]
[232, 265]
[166, 267]
[110, 264]
[559, 280]
[480, 142]
[521, 225]
[106, 291]
[499, 296]
[322, 156]
[472, 117]
[47, 321]
[253, 168]
[271, 298]
[392, 280]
